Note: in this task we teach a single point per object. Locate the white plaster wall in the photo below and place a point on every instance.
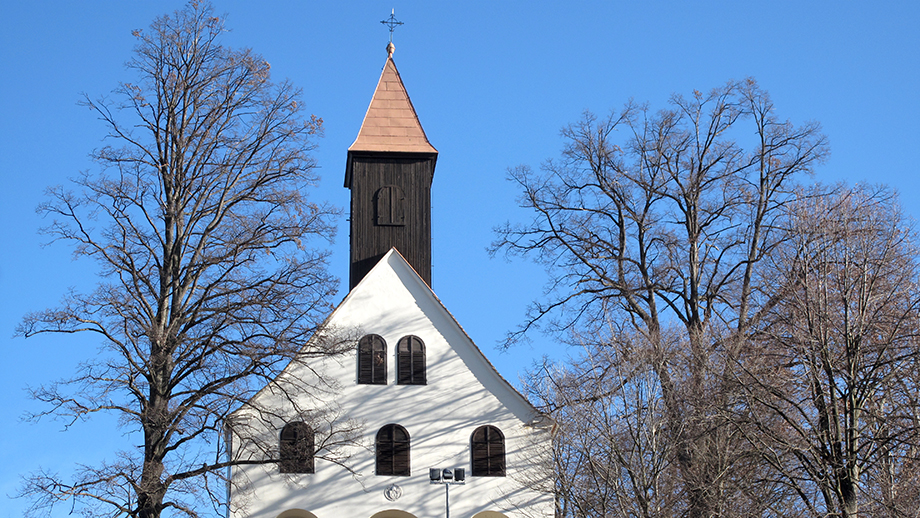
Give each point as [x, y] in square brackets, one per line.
[463, 392]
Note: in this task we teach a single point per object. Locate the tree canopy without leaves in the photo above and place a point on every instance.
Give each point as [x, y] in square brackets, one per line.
[660, 213]
[656, 224]
[831, 373]
[200, 226]
[611, 456]
[749, 347]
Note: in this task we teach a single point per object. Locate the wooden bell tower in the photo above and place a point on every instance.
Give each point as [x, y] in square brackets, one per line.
[389, 172]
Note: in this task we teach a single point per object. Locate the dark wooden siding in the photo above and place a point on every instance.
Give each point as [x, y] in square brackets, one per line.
[412, 174]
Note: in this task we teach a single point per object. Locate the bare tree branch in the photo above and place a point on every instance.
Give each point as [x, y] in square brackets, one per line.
[199, 222]
[659, 223]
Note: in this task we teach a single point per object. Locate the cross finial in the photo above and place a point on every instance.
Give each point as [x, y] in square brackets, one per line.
[392, 23]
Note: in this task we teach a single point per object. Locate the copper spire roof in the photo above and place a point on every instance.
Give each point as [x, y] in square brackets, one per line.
[391, 124]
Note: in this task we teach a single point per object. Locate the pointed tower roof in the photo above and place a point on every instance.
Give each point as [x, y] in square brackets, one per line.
[391, 124]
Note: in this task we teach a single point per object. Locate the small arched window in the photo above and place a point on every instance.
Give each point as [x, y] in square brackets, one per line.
[389, 206]
[297, 445]
[488, 448]
[410, 361]
[372, 360]
[392, 446]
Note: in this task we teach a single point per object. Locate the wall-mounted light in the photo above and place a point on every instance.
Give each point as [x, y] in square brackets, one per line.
[447, 475]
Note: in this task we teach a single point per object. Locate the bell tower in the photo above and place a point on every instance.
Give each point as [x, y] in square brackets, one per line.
[389, 171]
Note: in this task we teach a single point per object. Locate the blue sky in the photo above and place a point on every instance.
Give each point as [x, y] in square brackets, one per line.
[492, 82]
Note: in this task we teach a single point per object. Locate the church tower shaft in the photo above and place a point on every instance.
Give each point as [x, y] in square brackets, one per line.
[389, 172]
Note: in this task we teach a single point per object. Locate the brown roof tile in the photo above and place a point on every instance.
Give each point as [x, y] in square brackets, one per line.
[391, 124]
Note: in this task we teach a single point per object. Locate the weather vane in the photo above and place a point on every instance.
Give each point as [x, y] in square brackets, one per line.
[392, 23]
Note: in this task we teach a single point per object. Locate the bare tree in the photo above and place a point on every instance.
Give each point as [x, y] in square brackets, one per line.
[199, 222]
[653, 219]
[610, 449]
[832, 372]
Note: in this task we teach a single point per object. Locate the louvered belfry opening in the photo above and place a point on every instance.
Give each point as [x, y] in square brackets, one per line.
[296, 448]
[390, 206]
[392, 447]
[488, 451]
[389, 171]
[410, 361]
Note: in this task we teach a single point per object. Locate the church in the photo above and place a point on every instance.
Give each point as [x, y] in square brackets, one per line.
[411, 420]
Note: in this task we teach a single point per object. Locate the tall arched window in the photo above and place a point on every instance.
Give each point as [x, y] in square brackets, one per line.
[297, 445]
[393, 451]
[372, 360]
[389, 206]
[410, 361]
[488, 448]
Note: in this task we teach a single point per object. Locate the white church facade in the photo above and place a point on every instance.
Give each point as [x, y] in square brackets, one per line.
[413, 420]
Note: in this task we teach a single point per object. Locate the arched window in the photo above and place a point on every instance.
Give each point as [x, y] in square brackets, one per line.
[393, 451]
[389, 206]
[296, 513]
[372, 360]
[297, 448]
[488, 447]
[410, 361]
